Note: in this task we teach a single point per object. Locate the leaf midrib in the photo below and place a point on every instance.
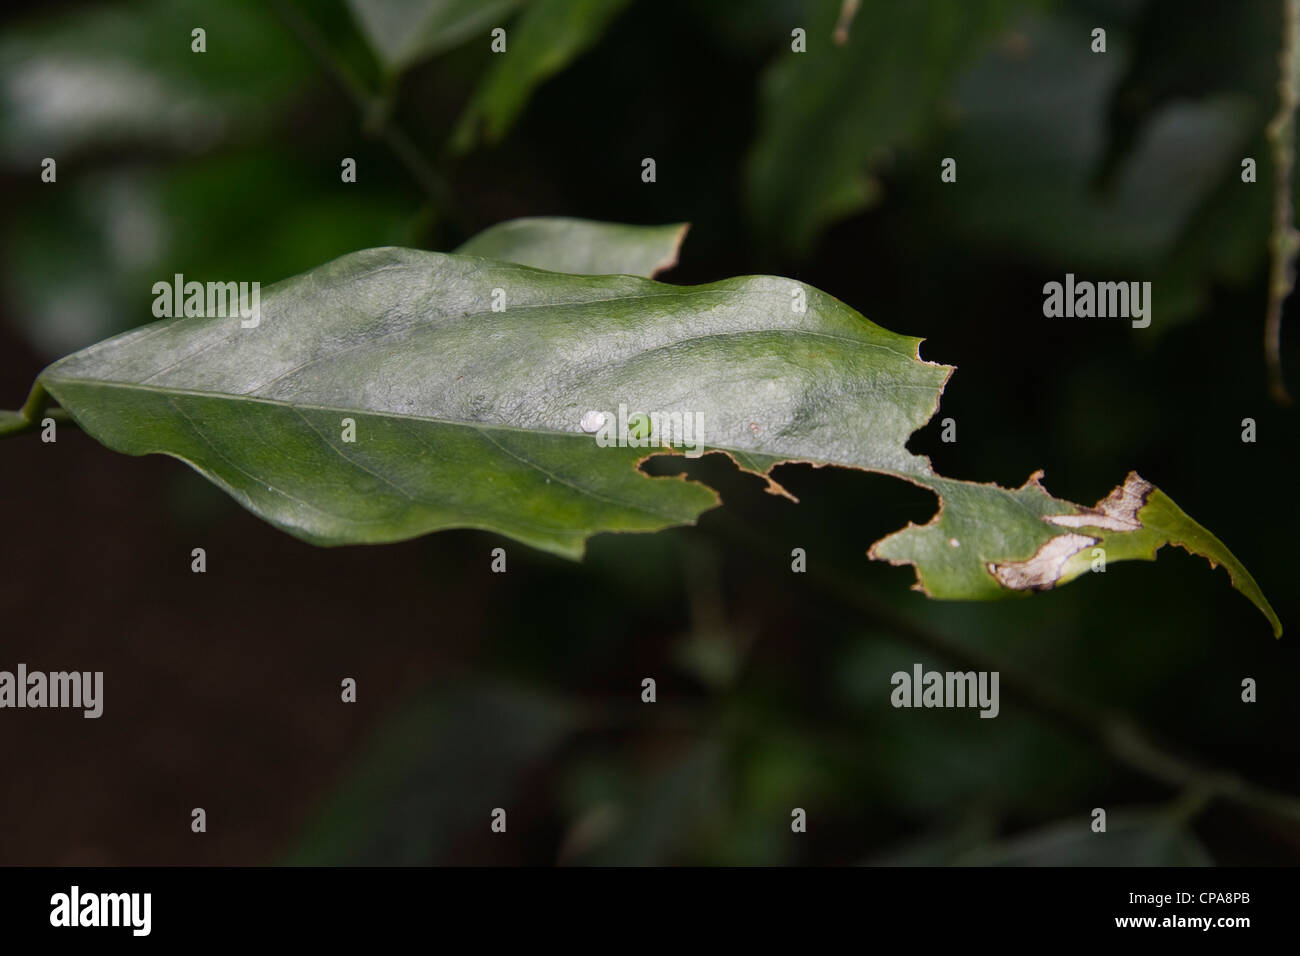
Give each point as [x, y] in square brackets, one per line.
[402, 416]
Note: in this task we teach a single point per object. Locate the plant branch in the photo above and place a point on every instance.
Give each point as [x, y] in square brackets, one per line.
[848, 10]
[376, 109]
[1284, 242]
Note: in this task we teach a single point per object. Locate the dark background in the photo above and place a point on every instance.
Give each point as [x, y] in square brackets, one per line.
[521, 690]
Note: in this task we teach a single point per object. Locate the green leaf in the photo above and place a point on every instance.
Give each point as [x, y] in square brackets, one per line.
[401, 32]
[550, 34]
[463, 416]
[580, 246]
[828, 115]
[987, 540]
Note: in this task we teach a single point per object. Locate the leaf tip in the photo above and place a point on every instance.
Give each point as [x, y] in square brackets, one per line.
[674, 251]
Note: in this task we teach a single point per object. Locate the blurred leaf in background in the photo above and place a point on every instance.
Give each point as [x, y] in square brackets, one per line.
[436, 772]
[110, 76]
[166, 164]
[833, 114]
[258, 212]
[549, 35]
[402, 32]
[1034, 159]
[1133, 838]
[650, 817]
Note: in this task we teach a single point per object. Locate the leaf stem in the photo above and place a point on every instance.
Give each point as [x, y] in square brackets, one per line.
[1284, 242]
[34, 411]
[376, 109]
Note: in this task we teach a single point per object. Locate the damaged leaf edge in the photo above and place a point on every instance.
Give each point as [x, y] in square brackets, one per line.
[1075, 540]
